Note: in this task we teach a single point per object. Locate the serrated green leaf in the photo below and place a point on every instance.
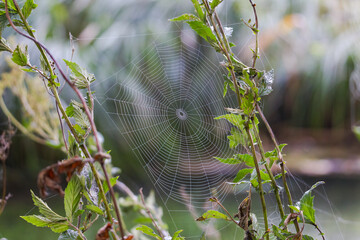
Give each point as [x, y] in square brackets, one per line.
[45, 210]
[20, 57]
[28, 7]
[70, 110]
[94, 209]
[230, 161]
[112, 182]
[79, 130]
[72, 196]
[306, 203]
[242, 174]
[176, 235]
[37, 220]
[254, 178]
[212, 214]
[215, 3]
[307, 237]
[148, 231]
[69, 235]
[41, 221]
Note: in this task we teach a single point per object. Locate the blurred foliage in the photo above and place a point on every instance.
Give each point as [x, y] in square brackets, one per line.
[313, 47]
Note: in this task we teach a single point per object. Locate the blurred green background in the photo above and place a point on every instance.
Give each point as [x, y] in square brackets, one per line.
[313, 46]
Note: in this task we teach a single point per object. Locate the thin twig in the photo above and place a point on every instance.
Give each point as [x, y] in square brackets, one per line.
[150, 215]
[256, 52]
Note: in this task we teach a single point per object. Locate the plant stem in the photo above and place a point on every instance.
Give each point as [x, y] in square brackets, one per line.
[282, 162]
[227, 212]
[256, 31]
[268, 170]
[261, 191]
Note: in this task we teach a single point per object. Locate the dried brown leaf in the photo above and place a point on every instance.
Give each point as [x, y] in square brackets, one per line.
[103, 233]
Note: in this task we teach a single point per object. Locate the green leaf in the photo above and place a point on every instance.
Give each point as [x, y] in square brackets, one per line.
[215, 3]
[226, 84]
[72, 196]
[199, 10]
[306, 203]
[79, 130]
[37, 220]
[94, 209]
[143, 220]
[203, 31]
[10, 3]
[28, 7]
[45, 209]
[19, 57]
[176, 235]
[148, 231]
[246, 158]
[265, 178]
[237, 138]
[242, 174]
[41, 221]
[112, 182]
[4, 46]
[280, 234]
[296, 209]
[235, 119]
[212, 214]
[307, 237]
[228, 160]
[80, 77]
[185, 17]
[69, 235]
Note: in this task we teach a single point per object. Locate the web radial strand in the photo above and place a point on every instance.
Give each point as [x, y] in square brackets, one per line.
[165, 108]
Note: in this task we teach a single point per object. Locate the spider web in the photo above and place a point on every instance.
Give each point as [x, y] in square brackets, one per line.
[165, 108]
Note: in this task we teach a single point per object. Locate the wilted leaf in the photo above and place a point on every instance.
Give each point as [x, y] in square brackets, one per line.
[212, 214]
[49, 178]
[103, 233]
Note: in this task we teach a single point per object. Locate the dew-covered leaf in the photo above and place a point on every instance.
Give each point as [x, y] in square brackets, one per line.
[69, 235]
